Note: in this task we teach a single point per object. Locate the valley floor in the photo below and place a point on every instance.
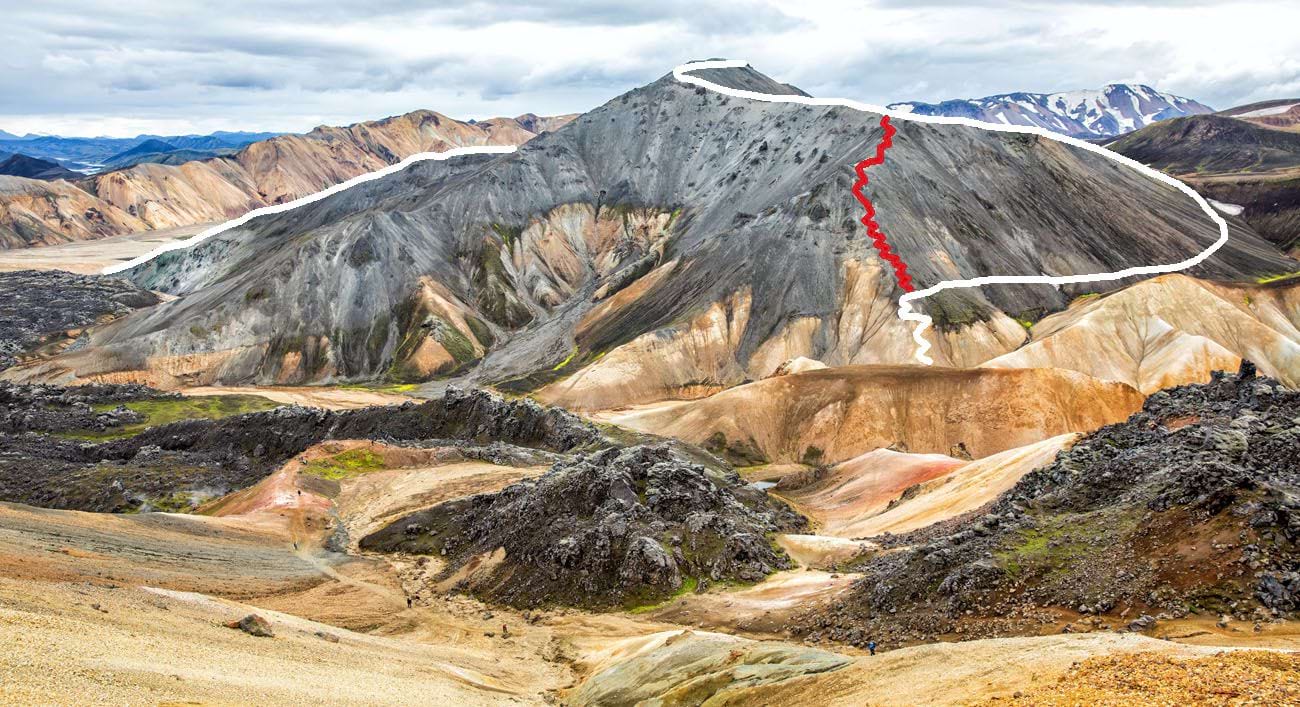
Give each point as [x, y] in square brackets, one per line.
[99, 608]
[89, 642]
[91, 257]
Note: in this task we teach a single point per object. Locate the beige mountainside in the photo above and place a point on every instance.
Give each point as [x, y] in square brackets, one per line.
[154, 196]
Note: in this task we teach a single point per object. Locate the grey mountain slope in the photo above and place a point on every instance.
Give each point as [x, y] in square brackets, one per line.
[713, 197]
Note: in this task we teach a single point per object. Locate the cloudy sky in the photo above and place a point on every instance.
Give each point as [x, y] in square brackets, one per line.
[124, 67]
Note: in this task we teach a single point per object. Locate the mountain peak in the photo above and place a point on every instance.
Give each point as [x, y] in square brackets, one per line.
[745, 78]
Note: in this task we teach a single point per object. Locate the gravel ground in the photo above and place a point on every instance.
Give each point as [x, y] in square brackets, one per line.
[1229, 678]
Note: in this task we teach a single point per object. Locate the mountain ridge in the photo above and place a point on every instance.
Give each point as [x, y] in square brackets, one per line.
[672, 239]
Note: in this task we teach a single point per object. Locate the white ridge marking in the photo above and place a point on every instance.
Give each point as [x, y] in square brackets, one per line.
[904, 303]
[303, 201]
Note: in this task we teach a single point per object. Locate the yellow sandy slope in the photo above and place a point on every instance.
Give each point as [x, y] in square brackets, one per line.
[844, 412]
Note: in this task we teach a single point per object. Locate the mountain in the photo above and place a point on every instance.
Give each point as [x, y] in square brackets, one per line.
[214, 141]
[19, 165]
[1232, 157]
[1208, 145]
[287, 167]
[177, 156]
[670, 243]
[5, 135]
[159, 194]
[181, 149]
[37, 212]
[1112, 110]
[145, 147]
[157, 151]
[1281, 113]
[88, 154]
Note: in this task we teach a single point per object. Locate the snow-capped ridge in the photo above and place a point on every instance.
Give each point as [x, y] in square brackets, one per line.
[1111, 110]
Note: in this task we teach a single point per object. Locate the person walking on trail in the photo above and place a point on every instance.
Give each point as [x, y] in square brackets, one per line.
[871, 646]
[408, 602]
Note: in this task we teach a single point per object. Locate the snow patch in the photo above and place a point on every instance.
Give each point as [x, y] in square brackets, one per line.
[1275, 110]
[1229, 209]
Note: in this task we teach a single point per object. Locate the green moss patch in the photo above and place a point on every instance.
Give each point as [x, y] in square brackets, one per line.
[345, 464]
[1059, 543]
[167, 410]
[642, 605]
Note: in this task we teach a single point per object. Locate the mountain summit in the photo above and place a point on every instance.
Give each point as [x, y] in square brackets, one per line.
[1112, 110]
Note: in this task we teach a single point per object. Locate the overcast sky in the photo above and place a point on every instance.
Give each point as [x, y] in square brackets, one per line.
[123, 67]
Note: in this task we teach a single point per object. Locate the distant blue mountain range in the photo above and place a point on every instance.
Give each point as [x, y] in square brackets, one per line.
[89, 155]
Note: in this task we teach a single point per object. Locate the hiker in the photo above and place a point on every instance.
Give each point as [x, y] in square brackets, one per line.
[505, 631]
[871, 646]
[408, 602]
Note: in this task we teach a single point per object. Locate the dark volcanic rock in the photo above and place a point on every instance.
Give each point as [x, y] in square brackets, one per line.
[1192, 505]
[51, 408]
[190, 460]
[37, 306]
[621, 526]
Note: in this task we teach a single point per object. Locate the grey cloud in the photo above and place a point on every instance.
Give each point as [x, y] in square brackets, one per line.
[244, 80]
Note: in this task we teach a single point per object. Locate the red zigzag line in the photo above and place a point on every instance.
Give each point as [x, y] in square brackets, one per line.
[873, 229]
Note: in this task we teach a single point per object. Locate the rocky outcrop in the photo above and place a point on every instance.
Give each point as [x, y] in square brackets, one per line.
[253, 625]
[621, 526]
[1189, 506]
[52, 307]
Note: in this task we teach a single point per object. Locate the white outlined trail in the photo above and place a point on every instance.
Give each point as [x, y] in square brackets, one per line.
[904, 303]
[303, 201]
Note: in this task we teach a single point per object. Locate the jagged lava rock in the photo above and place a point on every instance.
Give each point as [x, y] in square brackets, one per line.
[621, 526]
